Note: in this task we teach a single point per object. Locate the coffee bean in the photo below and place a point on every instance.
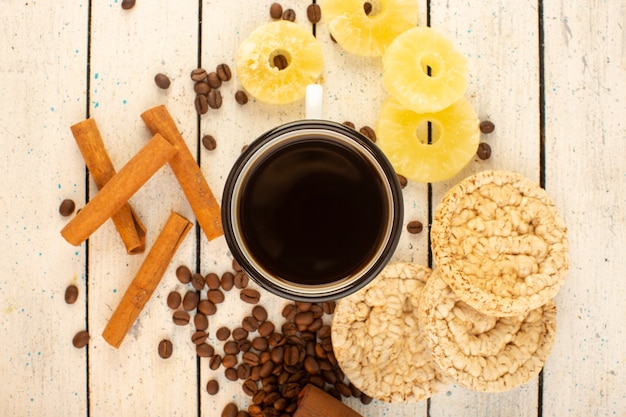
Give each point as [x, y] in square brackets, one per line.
[212, 387]
[162, 81]
[289, 312]
[250, 387]
[173, 300]
[181, 318]
[201, 103]
[276, 339]
[207, 307]
[291, 407]
[204, 350]
[291, 356]
[243, 371]
[289, 15]
[249, 323]
[231, 348]
[303, 306]
[228, 281]
[315, 325]
[215, 296]
[280, 62]
[165, 349]
[367, 7]
[229, 361]
[414, 227]
[250, 295]
[402, 180]
[209, 142]
[71, 294]
[223, 333]
[250, 358]
[230, 410]
[266, 328]
[183, 274]
[354, 390]
[201, 87]
[318, 381]
[258, 397]
[311, 365]
[276, 11]
[259, 313]
[271, 398]
[81, 339]
[366, 399]
[241, 280]
[280, 404]
[201, 322]
[199, 74]
[291, 390]
[260, 343]
[324, 332]
[349, 124]
[332, 391]
[243, 413]
[241, 97]
[67, 207]
[199, 337]
[368, 132]
[317, 310]
[289, 328]
[255, 410]
[486, 126]
[190, 300]
[214, 99]
[214, 80]
[231, 374]
[314, 13]
[128, 4]
[329, 376]
[212, 281]
[304, 318]
[236, 266]
[223, 72]
[244, 345]
[240, 333]
[320, 352]
[197, 281]
[484, 151]
[215, 362]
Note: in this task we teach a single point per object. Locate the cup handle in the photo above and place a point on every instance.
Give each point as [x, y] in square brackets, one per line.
[313, 104]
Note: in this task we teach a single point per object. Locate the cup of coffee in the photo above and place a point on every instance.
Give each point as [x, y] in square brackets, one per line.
[312, 210]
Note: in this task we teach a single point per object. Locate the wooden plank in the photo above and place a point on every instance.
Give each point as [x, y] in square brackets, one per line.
[42, 95]
[501, 44]
[585, 86]
[128, 48]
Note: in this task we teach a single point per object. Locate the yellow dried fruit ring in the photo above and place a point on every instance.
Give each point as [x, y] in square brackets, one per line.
[367, 31]
[277, 61]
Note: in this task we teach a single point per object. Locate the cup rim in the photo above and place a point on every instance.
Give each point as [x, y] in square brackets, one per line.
[322, 292]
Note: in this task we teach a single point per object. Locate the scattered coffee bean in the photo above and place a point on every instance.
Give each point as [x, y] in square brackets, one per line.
[214, 80]
[280, 62]
[67, 207]
[250, 358]
[202, 104]
[258, 397]
[229, 361]
[201, 87]
[241, 97]
[212, 387]
[165, 348]
[250, 324]
[209, 142]
[250, 387]
[204, 350]
[162, 81]
[212, 281]
[289, 312]
[368, 132]
[207, 307]
[311, 365]
[305, 317]
[231, 374]
[183, 274]
[215, 296]
[199, 337]
[304, 306]
[236, 266]
[266, 328]
[215, 362]
[484, 151]
[240, 333]
[259, 313]
[276, 11]
[243, 371]
[260, 344]
[367, 7]
[349, 124]
[201, 322]
[231, 347]
[289, 329]
[244, 345]
[223, 72]
[199, 74]
[81, 339]
[250, 295]
[181, 318]
[366, 399]
[197, 281]
[223, 333]
[214, 99]
[190, 300]
[289, 15]
[173, 300]
[241, 280]
[314, 13]
[128, 4]
[230, 410]
[71, 294]
[414, 227]
[227, 281]
[486, 126]
[402, 180]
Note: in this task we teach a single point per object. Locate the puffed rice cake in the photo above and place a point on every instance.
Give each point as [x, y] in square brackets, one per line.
[481, 352]
[377, 341]
[499, 242]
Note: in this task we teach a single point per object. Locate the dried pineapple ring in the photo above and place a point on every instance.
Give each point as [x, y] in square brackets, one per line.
[377, 342]
[423, 70]
[277, 61]
[368, 33]
[455, 140]
[484, 353]
[499, 242]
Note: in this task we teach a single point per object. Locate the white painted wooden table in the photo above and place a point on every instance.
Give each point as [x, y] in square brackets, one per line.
[551, 75]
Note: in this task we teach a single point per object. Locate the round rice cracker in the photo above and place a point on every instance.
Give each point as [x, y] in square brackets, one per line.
[481, 352]
[499, 242]
[377, 341]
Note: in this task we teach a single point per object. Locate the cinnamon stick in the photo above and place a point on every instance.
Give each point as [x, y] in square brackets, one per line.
[118, 189]
[148, 277]
[313, 402]
[187, 172]
[91, 146]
